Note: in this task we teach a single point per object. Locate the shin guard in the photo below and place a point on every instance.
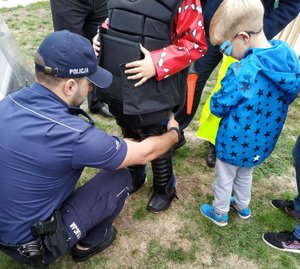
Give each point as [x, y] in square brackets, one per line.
[163, 188]
[138, 173]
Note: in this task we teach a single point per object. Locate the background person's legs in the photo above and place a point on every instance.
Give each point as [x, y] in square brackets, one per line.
[204, 66]
[82, 17]
[296, 157]
[69, 15]
[292, 207]
[93, 20]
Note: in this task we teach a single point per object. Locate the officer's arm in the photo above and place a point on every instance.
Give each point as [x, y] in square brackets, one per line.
[151, 147]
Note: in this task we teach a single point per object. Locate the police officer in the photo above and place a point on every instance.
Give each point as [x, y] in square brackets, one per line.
[44, 147]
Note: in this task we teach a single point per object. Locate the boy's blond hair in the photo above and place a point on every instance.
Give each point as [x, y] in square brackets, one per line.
[234, 16]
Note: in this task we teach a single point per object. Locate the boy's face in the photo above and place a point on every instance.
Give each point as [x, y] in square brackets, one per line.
[237, 46]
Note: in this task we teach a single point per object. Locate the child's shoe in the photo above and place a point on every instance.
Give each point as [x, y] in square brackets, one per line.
[209, 212]
[243, 214]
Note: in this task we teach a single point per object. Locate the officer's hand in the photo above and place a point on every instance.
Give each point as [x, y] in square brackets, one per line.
[96, 44]
[142, 70]
[172, 122]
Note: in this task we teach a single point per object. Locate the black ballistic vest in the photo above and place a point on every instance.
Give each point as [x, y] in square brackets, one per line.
[134, 22]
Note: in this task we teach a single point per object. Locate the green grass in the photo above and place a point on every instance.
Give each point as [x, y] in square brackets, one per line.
[181, 237]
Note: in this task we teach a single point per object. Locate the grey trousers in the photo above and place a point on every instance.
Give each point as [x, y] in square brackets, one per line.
[230, 178]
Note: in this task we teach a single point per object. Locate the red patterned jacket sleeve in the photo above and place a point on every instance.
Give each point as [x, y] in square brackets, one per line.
[188, 42]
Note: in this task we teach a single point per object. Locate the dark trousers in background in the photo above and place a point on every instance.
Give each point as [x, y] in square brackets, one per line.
[204, 66]
[296, 157]
[81, 17]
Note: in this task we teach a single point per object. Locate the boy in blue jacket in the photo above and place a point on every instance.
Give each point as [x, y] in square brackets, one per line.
[253, 103]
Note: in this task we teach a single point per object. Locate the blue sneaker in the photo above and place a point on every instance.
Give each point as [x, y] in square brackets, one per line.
[243, 214]
[209, 212]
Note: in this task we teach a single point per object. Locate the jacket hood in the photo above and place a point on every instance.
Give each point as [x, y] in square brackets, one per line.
[279, 63]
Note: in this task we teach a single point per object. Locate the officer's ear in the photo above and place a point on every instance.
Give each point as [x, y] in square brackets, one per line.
[70, 87]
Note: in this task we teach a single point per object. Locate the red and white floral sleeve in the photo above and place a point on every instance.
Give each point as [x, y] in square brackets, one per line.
[188, 42]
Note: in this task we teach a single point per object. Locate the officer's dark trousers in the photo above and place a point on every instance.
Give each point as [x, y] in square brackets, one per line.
[94, 206]
[89, 212]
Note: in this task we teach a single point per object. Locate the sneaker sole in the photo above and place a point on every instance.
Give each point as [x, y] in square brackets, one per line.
[274, 206]
[222, 224]
[241, 216]
[281, 249]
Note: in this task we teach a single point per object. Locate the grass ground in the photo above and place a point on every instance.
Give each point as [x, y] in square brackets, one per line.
[181, 237]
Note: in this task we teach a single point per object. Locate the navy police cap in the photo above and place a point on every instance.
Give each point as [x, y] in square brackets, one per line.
[69, 55]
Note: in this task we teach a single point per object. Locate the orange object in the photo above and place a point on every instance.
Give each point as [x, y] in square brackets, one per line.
[191, 85]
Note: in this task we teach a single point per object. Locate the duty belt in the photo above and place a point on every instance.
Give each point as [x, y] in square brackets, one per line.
[48, 235]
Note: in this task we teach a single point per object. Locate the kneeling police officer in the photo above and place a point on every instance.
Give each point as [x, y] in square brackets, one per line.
[44, 147]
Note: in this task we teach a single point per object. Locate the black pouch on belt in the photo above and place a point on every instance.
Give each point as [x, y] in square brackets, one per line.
[52, 234]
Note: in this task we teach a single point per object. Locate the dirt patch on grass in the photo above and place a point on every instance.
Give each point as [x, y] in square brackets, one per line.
[135, 236]
[277, 184]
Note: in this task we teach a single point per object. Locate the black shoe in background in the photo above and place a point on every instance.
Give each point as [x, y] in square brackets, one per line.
[211, 156]
[287, 206]
[284, 241]
[100, 108]
[96, 104]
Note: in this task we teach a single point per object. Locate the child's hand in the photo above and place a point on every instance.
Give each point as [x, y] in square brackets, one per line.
[96, 44]
[143, 69]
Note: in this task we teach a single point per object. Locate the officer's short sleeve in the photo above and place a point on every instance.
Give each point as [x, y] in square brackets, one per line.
[95, 148]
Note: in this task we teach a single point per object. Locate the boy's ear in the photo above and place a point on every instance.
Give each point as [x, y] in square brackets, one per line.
[70, 87]
[244, 36]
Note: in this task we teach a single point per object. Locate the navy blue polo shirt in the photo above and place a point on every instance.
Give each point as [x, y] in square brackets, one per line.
[43, 150]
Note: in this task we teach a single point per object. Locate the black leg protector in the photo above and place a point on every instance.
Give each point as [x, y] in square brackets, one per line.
[162, 173]
[138, 172]
[163, 188]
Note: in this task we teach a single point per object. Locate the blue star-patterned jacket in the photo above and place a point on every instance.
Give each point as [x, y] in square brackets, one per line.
[253, 103]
